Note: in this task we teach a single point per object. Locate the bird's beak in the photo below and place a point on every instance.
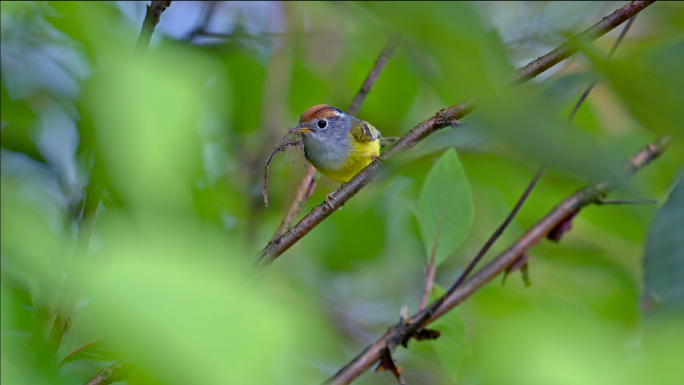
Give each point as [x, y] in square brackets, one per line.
[303, 129]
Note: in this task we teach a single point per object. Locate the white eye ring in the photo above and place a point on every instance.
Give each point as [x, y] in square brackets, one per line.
[323, 123]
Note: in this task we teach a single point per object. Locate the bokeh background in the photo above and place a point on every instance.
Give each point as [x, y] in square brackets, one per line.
[181, 137]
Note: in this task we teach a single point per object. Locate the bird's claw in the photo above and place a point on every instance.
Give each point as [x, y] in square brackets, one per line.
[377, 159]
[327, 200]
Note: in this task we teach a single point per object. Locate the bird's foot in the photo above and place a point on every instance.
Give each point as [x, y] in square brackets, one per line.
[377, 159]
[328, 198]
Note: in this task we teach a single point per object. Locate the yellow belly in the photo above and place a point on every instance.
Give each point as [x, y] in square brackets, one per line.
[360, 157]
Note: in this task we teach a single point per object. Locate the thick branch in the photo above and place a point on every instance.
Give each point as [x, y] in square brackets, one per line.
[152, 17]
[442, 119]
[401, 333]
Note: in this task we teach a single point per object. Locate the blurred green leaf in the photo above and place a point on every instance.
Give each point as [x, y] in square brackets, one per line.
[86, 340]
[356, 226]
[16, 118]
[664, 260]
[533, 127]
[182, 313]
[445, 207]
[650, 82]
[453, 53]
[18, 359]
[452, 346]
[43, 304]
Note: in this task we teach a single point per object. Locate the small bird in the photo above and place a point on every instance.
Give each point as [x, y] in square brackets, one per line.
[337, 144]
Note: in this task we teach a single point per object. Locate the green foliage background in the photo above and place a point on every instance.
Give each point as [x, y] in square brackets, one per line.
[182, 136]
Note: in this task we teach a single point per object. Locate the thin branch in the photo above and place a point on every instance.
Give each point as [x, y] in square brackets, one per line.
[373, 76]
[497, 233]
[442, 119]
[402, 332]
[308, 184]
[430, 266]
[429, 283]
[113, 373]
[304, 191]
[610, 54]
[152, 17]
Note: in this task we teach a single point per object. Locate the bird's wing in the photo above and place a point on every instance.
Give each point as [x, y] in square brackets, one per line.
[364, 132]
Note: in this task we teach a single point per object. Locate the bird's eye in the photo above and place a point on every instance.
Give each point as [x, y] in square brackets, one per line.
[322, 123]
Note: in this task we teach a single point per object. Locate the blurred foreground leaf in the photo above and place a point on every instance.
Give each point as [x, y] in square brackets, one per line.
[650, 82]
[85, 340]
[533, 127]
[184, 315]
[664, 260]
[16, 118]
[445, 207]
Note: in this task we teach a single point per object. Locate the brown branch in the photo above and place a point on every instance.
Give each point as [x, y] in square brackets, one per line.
[308, 184]
[442, 119]
[402, 332]
[152, 17]
[113, 373]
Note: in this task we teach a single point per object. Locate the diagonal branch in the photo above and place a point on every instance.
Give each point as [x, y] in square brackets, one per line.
[402, 332]
[442, 119]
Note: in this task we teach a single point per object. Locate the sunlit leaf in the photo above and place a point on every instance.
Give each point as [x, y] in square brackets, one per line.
[445, 207]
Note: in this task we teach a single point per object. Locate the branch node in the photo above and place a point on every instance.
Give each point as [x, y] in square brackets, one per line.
[387, 363]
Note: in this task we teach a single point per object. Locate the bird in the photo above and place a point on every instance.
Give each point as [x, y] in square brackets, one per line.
[338, 145]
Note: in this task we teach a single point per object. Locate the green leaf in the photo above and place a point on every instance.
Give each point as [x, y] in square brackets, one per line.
[445, 207]
[650, 82]
[452, 346]
[664, 261]
[17, 118]
[86, 340]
